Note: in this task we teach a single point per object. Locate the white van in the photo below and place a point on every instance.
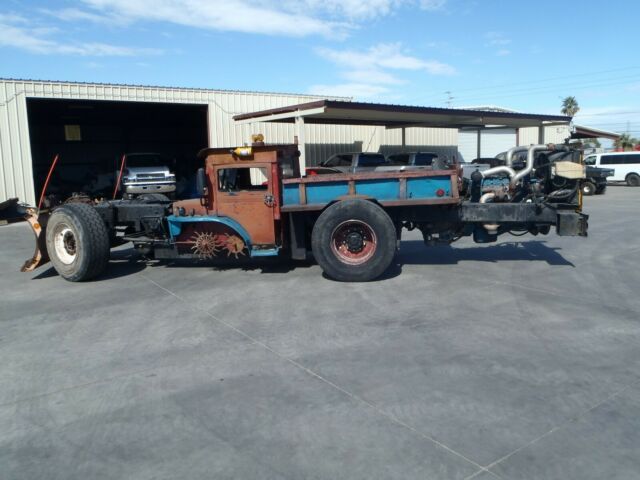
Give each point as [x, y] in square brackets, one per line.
[626, 166]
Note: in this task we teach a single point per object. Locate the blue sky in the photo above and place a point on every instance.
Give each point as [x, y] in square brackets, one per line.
[514, 54]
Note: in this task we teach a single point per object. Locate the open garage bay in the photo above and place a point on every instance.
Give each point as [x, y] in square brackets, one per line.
[91, 137]
[519, 360]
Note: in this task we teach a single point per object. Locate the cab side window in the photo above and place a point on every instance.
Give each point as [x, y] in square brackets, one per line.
[591, 160]
[242, 179]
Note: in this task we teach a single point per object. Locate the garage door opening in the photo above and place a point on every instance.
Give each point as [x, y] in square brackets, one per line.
[92, 136]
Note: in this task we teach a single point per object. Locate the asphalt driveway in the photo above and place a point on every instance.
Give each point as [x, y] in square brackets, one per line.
[515, 360]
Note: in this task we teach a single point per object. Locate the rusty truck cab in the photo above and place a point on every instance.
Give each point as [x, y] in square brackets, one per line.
[244, 185]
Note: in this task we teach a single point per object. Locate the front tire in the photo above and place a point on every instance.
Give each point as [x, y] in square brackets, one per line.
[77, 242]
[633, 180]
[354, 241]
[588, 188]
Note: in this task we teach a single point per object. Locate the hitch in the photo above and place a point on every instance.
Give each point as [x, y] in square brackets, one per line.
[572, 223]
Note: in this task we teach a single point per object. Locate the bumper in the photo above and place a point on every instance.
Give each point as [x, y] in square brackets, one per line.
[154, 188]
[567, 220]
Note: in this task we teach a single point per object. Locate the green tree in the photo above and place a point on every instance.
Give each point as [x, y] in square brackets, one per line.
[625, 142]
[570, 106]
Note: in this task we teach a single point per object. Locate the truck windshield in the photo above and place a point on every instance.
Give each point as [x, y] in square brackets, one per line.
[371, 160]
[146, 160]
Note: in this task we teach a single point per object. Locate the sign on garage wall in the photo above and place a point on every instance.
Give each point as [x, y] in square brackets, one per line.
[72, 133]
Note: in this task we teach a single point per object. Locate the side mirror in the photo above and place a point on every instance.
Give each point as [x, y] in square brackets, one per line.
[201, 182]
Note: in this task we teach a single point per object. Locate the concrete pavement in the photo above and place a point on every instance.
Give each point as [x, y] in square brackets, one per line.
[518, 360]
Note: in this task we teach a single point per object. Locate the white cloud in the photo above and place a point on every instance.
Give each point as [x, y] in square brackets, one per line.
[503, 52]
[352, 9]
[496, 39]
[16, 33]
[358, 90]
[229, 15]
[385, 56]
[369, 72]
[77, 15]
[296, 18]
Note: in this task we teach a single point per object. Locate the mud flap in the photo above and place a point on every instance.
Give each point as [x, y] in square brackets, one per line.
[572, 224]
[38, 223]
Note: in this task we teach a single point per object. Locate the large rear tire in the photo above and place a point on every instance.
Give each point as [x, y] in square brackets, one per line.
[77, 242]
[354, 241]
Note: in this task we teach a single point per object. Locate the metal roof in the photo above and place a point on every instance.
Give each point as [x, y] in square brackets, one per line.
[163, 87]
[397, 116]
[589, 132]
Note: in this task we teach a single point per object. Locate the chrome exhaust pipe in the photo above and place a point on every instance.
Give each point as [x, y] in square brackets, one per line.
[531, 156]
[491, 228]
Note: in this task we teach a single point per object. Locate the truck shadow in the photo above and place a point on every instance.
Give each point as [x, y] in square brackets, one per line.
[264, 265]
[122, 263]
[414, 252]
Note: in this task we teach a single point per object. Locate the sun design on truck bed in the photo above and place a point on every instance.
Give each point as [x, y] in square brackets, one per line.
[207, 245]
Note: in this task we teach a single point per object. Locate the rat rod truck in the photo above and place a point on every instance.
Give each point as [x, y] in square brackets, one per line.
[254, 203]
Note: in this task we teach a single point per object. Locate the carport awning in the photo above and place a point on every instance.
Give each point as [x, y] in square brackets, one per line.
[397, 116]
[581, 131]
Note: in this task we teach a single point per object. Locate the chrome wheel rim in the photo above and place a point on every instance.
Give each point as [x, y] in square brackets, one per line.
[64, 243]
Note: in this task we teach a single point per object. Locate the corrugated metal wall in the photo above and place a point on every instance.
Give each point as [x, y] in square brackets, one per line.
[552, 134]
[16, 176]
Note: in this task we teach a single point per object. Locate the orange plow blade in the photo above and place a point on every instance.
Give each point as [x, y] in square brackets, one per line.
[38, 224]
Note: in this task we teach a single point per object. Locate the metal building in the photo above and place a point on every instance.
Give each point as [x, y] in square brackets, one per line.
[486, 143]
[92, 125]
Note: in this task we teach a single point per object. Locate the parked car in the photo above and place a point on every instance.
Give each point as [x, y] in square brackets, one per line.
[375, 162]
[414, 159]
[596, 181]
[146, 173]
[625, 166]
[349, 163]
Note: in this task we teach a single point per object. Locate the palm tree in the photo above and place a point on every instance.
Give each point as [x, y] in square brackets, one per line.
[624, 142]
[570, 106]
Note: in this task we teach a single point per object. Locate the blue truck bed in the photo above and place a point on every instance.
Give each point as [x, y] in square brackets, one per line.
[416, 187]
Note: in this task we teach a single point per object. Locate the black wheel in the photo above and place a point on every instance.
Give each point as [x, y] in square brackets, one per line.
[153, 198]
[77, 242]
[354, 241]
[633, 180]
[588, 188]
[601, 190]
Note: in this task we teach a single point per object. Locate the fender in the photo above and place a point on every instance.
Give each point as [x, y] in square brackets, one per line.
[175, 225]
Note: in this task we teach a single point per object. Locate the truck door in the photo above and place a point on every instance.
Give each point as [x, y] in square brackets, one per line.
[245, 194]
